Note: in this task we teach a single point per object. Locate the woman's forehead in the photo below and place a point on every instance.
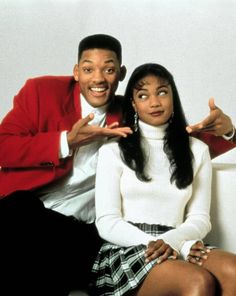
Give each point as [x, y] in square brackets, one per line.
[149, 79]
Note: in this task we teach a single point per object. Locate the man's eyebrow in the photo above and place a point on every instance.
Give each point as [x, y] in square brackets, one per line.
[110, 61]
[86, 61]
[106, 62]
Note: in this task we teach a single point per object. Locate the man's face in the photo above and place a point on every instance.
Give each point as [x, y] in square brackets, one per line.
[98, 73]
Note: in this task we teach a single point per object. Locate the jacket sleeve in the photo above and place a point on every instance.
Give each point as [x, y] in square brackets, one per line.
[22, 143]
[217, 145]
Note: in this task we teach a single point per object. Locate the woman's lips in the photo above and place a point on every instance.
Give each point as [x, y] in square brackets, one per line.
[156, 113]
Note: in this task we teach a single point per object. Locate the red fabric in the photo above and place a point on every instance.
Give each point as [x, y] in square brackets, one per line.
[30, 133]
[217, 145]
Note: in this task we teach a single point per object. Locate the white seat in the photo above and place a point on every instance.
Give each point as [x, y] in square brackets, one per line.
[223, 206]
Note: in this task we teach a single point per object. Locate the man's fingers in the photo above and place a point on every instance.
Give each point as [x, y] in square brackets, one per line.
[113, 125]
[84, 121]
[206, 123]
[211, 104]
[194, 128]
[121, 131]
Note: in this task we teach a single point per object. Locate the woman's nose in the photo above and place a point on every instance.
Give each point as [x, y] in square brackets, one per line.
[154, 101]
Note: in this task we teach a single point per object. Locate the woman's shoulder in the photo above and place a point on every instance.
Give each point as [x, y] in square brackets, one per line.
[111, 146]
[198, 147]
[109, 153]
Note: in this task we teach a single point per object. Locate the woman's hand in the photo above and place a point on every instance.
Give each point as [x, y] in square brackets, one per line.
[159, 250]
[198, 253]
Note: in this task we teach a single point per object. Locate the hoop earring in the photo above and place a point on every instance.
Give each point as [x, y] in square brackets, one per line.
[135, 121]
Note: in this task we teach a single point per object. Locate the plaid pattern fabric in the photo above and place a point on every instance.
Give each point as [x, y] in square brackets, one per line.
[119, 270]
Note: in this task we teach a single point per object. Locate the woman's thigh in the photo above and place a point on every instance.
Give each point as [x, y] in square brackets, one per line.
[177, 277]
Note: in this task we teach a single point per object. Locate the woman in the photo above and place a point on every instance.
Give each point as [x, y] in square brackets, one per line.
[153, 192]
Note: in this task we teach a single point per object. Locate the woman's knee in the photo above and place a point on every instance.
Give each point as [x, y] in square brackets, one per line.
[201, 283]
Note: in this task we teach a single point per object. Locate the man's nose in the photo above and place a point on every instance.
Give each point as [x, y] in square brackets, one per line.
[98, 76]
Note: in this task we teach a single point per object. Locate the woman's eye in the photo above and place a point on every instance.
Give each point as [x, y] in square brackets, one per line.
[142, 96]
[162, 93]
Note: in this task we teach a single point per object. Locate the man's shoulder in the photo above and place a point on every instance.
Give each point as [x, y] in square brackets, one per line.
[50, 84]
[50, 79]
[217, 144]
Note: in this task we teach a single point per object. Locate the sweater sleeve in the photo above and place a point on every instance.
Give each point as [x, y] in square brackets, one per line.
[111, 226]
[196, 224]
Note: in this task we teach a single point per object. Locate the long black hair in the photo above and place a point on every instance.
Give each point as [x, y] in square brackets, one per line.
[176, 139]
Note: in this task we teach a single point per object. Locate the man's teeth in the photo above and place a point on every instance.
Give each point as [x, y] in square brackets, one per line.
[98, 89]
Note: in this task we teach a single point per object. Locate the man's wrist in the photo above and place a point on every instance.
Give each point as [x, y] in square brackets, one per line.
[230, 136]
[65, 150]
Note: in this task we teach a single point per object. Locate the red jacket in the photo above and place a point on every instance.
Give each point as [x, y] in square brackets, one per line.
[30, 133]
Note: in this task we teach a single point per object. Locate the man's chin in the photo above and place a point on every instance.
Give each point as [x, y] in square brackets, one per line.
[98, 101]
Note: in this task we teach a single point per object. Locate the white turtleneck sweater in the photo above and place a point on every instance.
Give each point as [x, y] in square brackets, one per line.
[121, 197]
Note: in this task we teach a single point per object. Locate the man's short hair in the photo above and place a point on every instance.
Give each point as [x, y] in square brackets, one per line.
[100, 41]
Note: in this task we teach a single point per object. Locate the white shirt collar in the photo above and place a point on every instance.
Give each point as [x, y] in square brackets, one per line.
[87, 108]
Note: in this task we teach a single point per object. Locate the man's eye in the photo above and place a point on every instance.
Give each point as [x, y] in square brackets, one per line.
[110, 70]
[87, 70]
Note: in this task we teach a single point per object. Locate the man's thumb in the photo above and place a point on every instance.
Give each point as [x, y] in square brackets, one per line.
[211, 104]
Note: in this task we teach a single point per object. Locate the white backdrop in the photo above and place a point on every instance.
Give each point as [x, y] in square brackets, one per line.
[194, 39]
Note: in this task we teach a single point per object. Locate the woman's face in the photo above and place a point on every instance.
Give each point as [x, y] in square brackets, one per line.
[153, 100]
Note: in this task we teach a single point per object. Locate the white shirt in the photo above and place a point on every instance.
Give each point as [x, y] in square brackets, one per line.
[74, 195]
[121, 197]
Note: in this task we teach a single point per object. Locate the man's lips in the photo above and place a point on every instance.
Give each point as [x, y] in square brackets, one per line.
[98, 91]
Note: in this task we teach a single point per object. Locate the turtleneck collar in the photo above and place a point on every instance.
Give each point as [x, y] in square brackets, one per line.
[152, 132]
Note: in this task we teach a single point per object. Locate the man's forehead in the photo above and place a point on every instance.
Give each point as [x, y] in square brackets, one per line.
[106, 55]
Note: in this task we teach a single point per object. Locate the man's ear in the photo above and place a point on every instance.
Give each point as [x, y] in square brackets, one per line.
[76, 72]
[122, 73]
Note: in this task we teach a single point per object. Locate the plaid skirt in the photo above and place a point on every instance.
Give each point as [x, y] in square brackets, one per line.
[119, 270]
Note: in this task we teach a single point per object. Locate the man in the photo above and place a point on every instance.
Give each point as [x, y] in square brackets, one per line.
[48, 151]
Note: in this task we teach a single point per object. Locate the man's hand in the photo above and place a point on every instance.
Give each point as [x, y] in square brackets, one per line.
[198, 253]
[159, 250]
[82, 133]
[216, 123]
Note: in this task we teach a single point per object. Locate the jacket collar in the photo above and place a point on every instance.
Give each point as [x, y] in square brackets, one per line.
[73, 112]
